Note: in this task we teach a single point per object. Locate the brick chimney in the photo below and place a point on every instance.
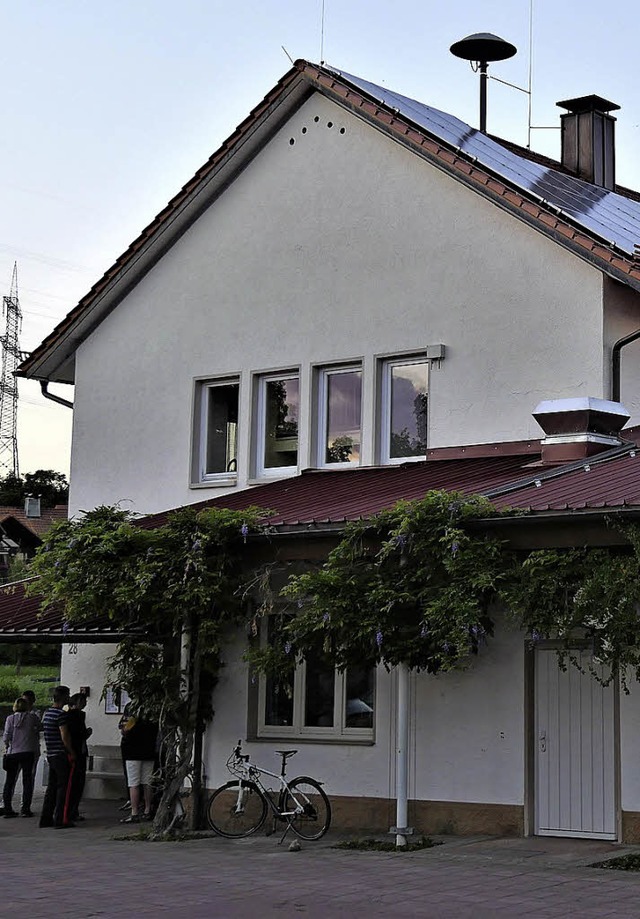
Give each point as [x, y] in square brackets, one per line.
[588, 139]
[577, 428]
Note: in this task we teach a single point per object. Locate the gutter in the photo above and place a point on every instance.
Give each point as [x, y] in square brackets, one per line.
[44, 386]
[615, 363]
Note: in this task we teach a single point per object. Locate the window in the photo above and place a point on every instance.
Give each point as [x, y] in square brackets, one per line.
[217, 433]
[278, 408]
[316, 701]
[340, 403]
[404, 403]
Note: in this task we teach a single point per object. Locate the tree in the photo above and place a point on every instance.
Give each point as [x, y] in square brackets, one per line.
[177, 590]
[50, 486]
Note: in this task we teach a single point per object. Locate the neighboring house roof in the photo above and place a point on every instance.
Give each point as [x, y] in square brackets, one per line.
[36, 525]
[600, 226]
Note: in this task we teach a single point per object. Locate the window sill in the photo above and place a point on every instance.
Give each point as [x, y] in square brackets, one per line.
[222, 481]
[262, 479]
[345, 740]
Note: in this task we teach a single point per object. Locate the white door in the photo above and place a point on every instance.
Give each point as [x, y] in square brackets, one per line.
[574, 751]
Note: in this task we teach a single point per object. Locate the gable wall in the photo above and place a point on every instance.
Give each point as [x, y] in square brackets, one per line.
[338, 246]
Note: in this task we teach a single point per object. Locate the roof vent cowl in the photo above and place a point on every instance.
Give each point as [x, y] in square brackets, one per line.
[588, 139]
[580, 427]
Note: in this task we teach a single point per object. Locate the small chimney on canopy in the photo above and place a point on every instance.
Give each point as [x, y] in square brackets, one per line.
[578, 428]
[482, 48]
[588, 139]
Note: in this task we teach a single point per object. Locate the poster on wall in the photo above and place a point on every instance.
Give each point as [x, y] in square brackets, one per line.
[115, 700]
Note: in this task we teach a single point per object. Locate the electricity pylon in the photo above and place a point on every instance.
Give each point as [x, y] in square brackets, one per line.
[8, 382]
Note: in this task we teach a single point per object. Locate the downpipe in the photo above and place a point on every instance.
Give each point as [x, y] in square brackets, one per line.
[402, 757]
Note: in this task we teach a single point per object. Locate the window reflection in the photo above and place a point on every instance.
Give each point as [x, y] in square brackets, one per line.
[408, 409]
[282, 398]
[319, 693]
[343, 412]
[222, 427]
[359, 702]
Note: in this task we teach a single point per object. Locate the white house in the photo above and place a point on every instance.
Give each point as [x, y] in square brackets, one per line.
[355, 279]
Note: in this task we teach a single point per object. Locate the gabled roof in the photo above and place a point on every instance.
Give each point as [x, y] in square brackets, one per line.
[600, 226]
[36, 525]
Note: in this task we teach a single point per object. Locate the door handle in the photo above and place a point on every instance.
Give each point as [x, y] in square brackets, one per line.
[543, 741]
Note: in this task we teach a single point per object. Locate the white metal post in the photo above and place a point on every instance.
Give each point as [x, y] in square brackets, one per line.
[402, 755]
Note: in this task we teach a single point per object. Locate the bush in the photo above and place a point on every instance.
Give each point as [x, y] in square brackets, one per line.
[9, 690]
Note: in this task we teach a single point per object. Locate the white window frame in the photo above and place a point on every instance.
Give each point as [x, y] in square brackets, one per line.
[338, 731]
[323, 412]
[205, 389]
[261, 433]
[384, 422]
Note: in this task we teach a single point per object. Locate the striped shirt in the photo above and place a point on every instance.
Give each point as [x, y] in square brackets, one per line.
[52, 720]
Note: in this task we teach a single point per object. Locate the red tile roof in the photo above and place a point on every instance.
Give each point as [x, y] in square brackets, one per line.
[515, 479]
[38, 525]
[328, 497]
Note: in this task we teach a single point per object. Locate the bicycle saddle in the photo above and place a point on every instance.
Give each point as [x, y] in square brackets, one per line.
[285, 753]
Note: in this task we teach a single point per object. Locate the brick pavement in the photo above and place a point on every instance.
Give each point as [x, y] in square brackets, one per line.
[245, 879]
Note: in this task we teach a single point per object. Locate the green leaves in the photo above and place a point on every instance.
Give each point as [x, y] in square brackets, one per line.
[411, 585]
[151, 581]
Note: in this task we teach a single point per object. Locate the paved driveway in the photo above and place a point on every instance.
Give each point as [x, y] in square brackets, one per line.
[85, 872]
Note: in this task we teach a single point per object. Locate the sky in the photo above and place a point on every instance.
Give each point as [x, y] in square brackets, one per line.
[109, 108]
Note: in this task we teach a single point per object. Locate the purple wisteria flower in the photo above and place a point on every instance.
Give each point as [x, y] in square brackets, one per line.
[244, 529]
[400, 541]
[535, 636]
[197, 545]
[455, 546]
[423, 632]
[287, 647]
[326, 618]
[446, 647]
[378, 638]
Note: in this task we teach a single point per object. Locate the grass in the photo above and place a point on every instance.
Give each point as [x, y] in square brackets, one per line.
[380, 845]
[629, 862]
[32, 677]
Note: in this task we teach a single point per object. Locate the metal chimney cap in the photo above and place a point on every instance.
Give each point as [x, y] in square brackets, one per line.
[484, 47]
[588, 104]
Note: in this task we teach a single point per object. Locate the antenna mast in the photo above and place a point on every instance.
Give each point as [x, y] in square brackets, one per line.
[8, 382]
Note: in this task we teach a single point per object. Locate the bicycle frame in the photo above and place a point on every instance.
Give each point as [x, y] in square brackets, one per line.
[251, 773]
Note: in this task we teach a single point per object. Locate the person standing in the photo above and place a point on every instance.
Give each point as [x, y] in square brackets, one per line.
[30, 697]
[79, 734]
[139, 741]
[21, 731]
[61, 759]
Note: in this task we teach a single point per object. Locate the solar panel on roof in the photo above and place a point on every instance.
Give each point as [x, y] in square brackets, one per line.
[612, 217]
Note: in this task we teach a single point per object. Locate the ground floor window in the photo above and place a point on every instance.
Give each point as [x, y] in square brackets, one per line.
[316, 700]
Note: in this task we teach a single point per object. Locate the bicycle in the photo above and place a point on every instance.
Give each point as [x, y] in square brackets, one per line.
[240, 807]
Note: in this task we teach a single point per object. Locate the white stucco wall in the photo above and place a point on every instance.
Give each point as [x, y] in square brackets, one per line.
[86, 665]
[340, 246]
[467, 733]
[622, 318]
[630, 747]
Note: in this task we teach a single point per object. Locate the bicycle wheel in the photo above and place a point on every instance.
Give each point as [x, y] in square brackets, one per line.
[228, 819]
[315, 818]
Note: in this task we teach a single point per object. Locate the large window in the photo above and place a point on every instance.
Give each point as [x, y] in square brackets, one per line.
[217, 431]
[316, 700]
[278, 409]
[404, 403]
[340, 415]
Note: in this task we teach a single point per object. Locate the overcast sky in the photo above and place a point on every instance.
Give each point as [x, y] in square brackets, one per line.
[108, 108]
